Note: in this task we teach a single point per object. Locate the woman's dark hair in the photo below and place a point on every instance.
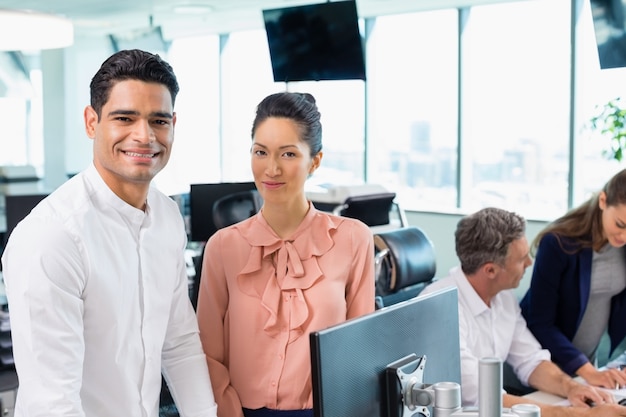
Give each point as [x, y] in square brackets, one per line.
[133, 64]
[582, 226]
[299, 107]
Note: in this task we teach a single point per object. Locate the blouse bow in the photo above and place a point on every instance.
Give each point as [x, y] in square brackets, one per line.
[279, 270]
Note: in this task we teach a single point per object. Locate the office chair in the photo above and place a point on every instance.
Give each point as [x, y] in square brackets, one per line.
[227, 210]
[405, 264]
[371, 209]
[236, 207]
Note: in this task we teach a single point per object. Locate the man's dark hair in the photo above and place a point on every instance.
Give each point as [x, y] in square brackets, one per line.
[133, 64]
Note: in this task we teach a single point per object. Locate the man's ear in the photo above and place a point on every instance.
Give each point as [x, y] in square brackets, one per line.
[490, 269]
[91, 120]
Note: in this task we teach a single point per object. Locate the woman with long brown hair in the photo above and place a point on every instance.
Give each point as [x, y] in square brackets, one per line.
[578, 287]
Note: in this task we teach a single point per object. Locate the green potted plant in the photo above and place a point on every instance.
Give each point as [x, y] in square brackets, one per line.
[610, 122]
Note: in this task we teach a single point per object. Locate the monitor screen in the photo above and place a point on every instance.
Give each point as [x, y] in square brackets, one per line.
[16, 208]
[315, 42]
[349, 360]
[201, 200]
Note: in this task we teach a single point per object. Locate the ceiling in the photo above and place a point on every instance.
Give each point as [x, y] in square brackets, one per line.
[193, 17]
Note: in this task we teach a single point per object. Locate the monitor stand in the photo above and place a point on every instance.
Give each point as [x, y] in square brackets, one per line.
[408, 396]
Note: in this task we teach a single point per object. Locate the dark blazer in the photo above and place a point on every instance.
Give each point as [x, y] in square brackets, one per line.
[557, 298]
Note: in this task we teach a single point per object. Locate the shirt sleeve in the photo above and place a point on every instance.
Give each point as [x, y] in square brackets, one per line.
[184, 363]
[45, 277]
[469, 366]
[525, 353]
[361, 285]
[469, 358]
[211, 312]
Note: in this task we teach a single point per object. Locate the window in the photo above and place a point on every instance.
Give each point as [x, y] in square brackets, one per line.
[195, 156]
[13, 149]
[412, 106]
[246, 79]
[20, 111]
[515, 108]
[341, 104]
[461, 109]
[594, 87]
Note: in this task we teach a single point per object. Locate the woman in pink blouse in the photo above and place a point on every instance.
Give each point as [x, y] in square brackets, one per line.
[270, 280]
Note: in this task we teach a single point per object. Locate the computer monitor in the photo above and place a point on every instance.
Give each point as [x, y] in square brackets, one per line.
[349, 361]
[201, 200]
[16, 208]
[182, 201]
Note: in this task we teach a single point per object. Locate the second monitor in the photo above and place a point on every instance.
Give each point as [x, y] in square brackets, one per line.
[349, 361]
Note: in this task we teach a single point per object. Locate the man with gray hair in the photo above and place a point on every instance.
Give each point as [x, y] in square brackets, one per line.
[494, 253]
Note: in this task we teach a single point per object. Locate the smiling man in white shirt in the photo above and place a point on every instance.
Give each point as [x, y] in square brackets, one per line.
[95, 275]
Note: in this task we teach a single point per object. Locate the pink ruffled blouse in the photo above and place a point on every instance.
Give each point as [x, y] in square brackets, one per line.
[260, 297]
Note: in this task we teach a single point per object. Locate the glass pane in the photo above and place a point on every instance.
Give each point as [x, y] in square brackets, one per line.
[594, 88]
[412, 107]
[515, 123]
[13, 147]
[246, 79]
[21, 110]
[341, 104]
[196, 153]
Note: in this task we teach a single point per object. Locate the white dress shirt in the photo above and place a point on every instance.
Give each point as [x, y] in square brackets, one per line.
[99, 305]
[498, 331]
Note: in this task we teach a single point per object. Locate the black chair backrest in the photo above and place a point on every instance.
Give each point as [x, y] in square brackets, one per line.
[405, 262]
[236, 207]
[371, 209]
[227, 210]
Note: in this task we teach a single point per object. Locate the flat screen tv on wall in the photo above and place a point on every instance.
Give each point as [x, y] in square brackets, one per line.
[315, 42]
[609, 21]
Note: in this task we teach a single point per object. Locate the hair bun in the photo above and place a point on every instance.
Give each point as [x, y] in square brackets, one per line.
[308, 97]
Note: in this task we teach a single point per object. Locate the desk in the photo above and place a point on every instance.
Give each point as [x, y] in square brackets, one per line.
[544, 397]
